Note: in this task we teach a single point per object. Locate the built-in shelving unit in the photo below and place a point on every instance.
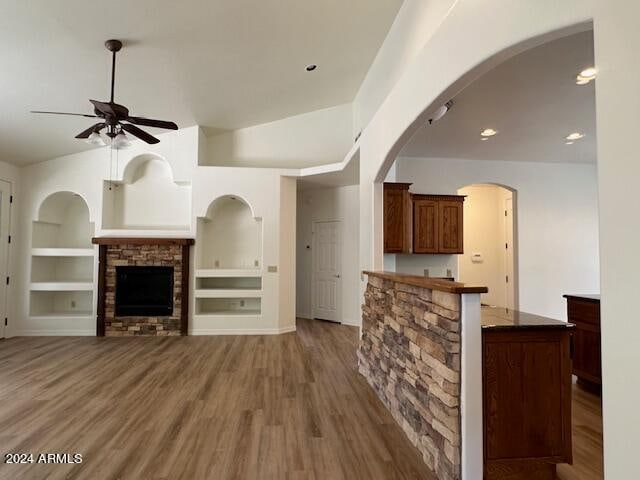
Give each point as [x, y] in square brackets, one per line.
[62, 259]
[148, 199]
[228, 276]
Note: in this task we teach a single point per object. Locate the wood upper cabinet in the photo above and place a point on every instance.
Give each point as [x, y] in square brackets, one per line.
[437, 224]
[397, 218]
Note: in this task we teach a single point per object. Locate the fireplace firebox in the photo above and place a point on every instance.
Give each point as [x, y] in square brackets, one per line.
[143, 291]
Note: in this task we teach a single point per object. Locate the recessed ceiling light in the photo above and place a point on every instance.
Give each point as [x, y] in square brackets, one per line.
[586, 76]
[311, 67]
[574, 136]
[488, 132]
[484, 139]
[568, 143]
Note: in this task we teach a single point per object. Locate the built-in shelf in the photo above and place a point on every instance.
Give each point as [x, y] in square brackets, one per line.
[63, 315]
[227, 272]
[228, 306]
[148, 199]
[229, 283]
[231, 293]
[229, 237]
[62, 252]
[61, 286]
[229, 313]
[61, 303]
[62, 259]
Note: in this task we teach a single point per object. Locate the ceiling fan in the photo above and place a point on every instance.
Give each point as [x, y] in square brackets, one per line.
[112, 127]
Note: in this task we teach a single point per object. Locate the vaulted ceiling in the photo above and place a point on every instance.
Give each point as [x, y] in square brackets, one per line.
[222, 64]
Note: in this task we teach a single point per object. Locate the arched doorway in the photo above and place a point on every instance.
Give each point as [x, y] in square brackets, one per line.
[490, 243]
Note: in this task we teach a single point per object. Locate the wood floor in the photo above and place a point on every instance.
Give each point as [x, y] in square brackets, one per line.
[272, 407]
[587, 438]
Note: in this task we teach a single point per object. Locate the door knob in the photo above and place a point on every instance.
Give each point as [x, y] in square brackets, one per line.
[337, 276]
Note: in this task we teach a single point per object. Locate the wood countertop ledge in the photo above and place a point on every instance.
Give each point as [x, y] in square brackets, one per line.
[427, 282]
[499, 318]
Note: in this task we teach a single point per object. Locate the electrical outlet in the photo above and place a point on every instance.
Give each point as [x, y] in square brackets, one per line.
[426, 272]
[449, 274]
[217, 264]
[73, 304]
[242, 303]
[256, 263]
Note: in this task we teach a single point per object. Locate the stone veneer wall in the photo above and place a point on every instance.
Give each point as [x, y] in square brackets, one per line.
[142, 255]
[410, 354]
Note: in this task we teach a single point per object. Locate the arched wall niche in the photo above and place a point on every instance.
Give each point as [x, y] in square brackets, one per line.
[147, 198]
[229, 236]
[63, 222]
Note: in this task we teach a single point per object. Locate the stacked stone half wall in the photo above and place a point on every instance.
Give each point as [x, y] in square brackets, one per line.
[410, 354]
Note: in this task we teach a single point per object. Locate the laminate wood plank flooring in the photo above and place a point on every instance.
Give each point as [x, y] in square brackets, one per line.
[588, 459]
[227, 407]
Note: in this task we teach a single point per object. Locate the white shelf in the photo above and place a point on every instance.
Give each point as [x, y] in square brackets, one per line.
[228, 313]
[228, 293]
[228, 272]
[61, 286]
[63, 315]
[62, 252]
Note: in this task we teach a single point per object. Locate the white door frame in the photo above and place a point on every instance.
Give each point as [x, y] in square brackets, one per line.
[314, 247]
[513, 280]
[5, 234]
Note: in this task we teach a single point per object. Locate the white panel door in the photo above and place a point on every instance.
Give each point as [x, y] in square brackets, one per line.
[5, 204]
[327, 275]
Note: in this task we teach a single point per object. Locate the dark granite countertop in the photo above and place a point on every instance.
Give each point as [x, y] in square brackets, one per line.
[428, 282]
[584, 296]
[499, 318]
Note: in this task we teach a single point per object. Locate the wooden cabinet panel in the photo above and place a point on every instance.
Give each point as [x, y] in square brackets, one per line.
[397, 218]
[527, 397]
[584, 312]
[425, 226]
[450, 234]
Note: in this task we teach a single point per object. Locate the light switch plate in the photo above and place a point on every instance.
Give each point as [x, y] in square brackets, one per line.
[272, 269]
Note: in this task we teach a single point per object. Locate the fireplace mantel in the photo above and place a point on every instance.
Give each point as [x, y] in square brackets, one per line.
[142, 251]
[141, 241]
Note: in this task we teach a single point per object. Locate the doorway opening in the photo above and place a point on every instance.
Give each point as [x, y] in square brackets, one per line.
[490, 247]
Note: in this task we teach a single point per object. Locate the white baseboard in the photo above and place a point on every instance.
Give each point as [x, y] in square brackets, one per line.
[350, 323]
[305, 315]
[243, 331]
[54, 333]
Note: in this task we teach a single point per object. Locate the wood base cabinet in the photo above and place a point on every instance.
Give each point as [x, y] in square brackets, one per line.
[527, 402]
[584, 312]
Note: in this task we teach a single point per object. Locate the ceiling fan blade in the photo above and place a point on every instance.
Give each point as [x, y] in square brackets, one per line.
[104, 108]
[93, 128]
[148, 122]
[141, 134]
[65, 113]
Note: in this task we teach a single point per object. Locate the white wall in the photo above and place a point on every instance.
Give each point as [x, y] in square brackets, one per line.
[329, 204]
[557, 223]
[485, 234]
[314, 138]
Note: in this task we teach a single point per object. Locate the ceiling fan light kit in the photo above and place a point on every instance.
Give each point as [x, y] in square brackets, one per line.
[115, 121]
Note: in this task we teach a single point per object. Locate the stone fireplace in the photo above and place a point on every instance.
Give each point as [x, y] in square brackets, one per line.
[143, 286]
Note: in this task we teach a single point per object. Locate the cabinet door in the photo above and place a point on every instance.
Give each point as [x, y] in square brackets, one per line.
[425, 226]
[397, 220]
[586, 355]
[450, 233]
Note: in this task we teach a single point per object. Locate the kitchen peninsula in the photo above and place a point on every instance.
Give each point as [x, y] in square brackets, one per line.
[414, 330]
